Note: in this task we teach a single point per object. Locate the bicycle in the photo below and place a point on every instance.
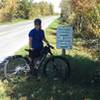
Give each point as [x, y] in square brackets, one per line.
[56, 67]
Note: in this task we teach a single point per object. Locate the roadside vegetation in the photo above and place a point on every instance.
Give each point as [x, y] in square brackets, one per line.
[84, 16]
[11, 10]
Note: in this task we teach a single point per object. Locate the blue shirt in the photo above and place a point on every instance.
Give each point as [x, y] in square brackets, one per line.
[37, 38]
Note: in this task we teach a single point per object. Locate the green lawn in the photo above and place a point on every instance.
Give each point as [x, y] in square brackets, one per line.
[82, 84]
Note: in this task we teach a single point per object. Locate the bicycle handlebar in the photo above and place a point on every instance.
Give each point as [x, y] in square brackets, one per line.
[28, 50]
[50, 46]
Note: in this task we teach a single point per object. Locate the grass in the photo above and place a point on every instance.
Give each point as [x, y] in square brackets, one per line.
[82, 84]
[17, 20]
[14, 21]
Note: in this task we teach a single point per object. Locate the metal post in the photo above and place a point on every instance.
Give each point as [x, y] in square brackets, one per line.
[63, 52]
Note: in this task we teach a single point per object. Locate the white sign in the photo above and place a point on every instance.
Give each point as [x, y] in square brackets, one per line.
[64, 37]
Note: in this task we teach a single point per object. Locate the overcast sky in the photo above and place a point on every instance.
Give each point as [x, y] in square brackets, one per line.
[56, 4]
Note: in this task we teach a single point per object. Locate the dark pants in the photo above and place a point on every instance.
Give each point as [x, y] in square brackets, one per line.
[33, 55]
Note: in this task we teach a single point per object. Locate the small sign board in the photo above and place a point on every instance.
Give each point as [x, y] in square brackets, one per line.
[64, 37]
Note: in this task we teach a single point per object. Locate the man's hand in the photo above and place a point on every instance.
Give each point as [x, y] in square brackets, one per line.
[31, 49]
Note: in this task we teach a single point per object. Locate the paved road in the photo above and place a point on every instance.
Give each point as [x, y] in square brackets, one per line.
[14, 36]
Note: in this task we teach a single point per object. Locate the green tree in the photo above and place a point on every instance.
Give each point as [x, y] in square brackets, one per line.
[23, 9]
[65, 10]
[51, 9]
[34, 11]
[41, 9]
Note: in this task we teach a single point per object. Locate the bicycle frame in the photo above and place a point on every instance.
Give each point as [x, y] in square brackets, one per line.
[42, 58]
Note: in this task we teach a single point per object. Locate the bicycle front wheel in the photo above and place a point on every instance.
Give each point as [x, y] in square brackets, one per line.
[15, 67]
[57, 67]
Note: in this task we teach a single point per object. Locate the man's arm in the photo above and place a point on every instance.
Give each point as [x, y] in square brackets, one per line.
[45, 40]
[30, 42]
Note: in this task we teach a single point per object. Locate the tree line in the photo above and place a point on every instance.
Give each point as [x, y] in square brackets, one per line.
[25, 9]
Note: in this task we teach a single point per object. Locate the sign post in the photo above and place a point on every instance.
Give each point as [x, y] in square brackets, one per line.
[64, 38]
[63, 52]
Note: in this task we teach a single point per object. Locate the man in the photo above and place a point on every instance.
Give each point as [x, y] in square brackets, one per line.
[36, 38]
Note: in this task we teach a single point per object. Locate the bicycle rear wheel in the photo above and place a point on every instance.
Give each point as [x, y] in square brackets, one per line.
[15, 67]
[57, 67]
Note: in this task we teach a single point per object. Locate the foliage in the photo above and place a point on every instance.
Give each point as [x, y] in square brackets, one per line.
[85, 18]
[65, 10]
[12, 9]
[86, 15]
[8, 10]
[41, 9]
[23, 9]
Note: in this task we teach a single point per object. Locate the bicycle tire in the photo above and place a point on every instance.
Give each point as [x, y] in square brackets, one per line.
[64, 70]
[12, 64]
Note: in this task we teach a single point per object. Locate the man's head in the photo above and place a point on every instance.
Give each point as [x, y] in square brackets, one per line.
[37, 23]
